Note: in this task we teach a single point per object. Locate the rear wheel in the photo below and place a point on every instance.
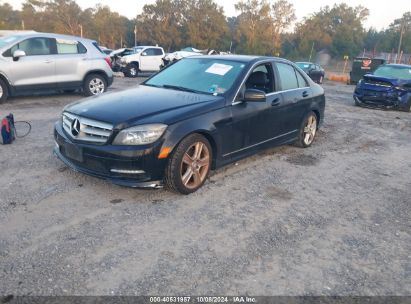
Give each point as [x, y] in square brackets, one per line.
[308, 130]
[131, 70]
[4, 91]
[189, 165]
[94, 84]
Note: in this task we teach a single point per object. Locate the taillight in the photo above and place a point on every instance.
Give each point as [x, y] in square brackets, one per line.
[108, 60]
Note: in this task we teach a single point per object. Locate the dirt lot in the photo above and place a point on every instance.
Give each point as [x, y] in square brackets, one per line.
[333, 219]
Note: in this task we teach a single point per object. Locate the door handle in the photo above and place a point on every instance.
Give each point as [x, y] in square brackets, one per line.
[275, 102]
[305, 94]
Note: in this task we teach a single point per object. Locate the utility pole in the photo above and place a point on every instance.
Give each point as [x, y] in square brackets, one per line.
[81, 30]
[23, 27]
[401, 34]
[135, 35]
[311, 53]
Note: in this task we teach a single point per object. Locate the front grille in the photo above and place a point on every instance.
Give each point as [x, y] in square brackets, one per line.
[379, 83]
[89, 130]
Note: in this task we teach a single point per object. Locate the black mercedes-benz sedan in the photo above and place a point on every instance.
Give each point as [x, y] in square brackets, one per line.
[198, 114]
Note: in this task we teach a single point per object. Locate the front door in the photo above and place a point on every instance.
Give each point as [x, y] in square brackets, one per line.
[150, 59]
[37, 68]
[253, 123]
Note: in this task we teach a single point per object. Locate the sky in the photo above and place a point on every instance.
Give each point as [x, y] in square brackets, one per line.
[382, 12]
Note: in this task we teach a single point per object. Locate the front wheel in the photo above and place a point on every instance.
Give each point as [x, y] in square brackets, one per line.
[308, 130]
[189, 165]
[131, 70]
[94, 84]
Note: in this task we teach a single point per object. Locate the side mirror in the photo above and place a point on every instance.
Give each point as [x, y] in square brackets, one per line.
[143, 54]
[253, 95]
[17, 54]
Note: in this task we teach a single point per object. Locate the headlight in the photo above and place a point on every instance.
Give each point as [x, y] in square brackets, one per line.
[140, 135]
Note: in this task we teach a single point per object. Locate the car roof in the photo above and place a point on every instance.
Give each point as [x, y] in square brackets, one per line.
[49, 35]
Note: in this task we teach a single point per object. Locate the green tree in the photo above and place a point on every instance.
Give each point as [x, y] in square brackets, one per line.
[205, 25]
[9, 18]
[339, 29]
[162, 23]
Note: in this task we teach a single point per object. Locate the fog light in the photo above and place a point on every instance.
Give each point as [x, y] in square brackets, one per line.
[127, 171]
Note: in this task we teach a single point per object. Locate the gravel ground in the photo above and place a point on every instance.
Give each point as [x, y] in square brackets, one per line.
[333, 219]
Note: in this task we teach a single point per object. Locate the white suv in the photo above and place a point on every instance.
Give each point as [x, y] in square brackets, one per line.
[145, 59]
[33, 61]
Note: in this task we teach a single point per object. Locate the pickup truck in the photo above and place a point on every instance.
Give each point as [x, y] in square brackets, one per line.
[144, 59]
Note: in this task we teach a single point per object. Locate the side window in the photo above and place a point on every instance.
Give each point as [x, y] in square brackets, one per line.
[302, 83]
[288, 78]
[35, 46]
[158, 52]
[70, 47]
[150, 52]
[261, 78]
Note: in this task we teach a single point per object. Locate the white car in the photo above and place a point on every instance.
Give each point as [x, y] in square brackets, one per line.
[145, 59]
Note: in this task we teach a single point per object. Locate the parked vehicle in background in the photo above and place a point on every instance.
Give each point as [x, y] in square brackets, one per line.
[195, 115]
[362, 66]
[315, 71]
[388, 87]
[36, 61]
[116, 55]
[186, 52]
[105, 50]
[143, 59]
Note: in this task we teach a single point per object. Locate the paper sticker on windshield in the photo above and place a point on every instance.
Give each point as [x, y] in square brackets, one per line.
[219, 69]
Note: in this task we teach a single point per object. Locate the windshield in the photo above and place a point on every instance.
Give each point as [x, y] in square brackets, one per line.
[138, 49]
[394, 72]
[303, 65]
[203, 75]
[4, 41]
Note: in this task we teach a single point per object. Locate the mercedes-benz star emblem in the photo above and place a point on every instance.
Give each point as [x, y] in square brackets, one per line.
[75, 127]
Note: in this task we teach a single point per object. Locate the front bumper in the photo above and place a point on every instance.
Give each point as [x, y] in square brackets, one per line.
[386, 99]
[100, 160]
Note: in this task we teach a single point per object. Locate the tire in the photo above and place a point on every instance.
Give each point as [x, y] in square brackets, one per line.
[189, 165]
[131, 70]
[4, 91]
[308, 130]
[320, 80]
[94, 84]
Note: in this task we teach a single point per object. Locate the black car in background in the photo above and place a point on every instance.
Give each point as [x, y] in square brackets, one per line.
[315, 71]
[388, 87]
[198, 114]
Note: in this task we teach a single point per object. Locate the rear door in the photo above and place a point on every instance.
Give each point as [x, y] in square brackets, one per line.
[296, 97]
[70, 61]
[37, 68]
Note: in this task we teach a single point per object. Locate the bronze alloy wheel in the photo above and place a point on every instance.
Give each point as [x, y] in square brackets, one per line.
[195, 165]
[310, 129]
[189, 164]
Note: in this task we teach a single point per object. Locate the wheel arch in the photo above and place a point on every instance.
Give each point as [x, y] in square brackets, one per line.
[7, 82]
[207, 135]
[98, 72]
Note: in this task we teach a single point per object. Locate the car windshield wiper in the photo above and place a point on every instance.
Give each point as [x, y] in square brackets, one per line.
[173, 87]
[152, 85]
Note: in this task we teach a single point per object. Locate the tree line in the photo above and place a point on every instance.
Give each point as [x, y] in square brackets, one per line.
[263, 27]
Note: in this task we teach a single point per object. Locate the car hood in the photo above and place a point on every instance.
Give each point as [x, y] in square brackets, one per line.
[383, 80]
[145, 104]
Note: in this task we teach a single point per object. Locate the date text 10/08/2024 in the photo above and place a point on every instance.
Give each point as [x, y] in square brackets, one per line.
[202, 299]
